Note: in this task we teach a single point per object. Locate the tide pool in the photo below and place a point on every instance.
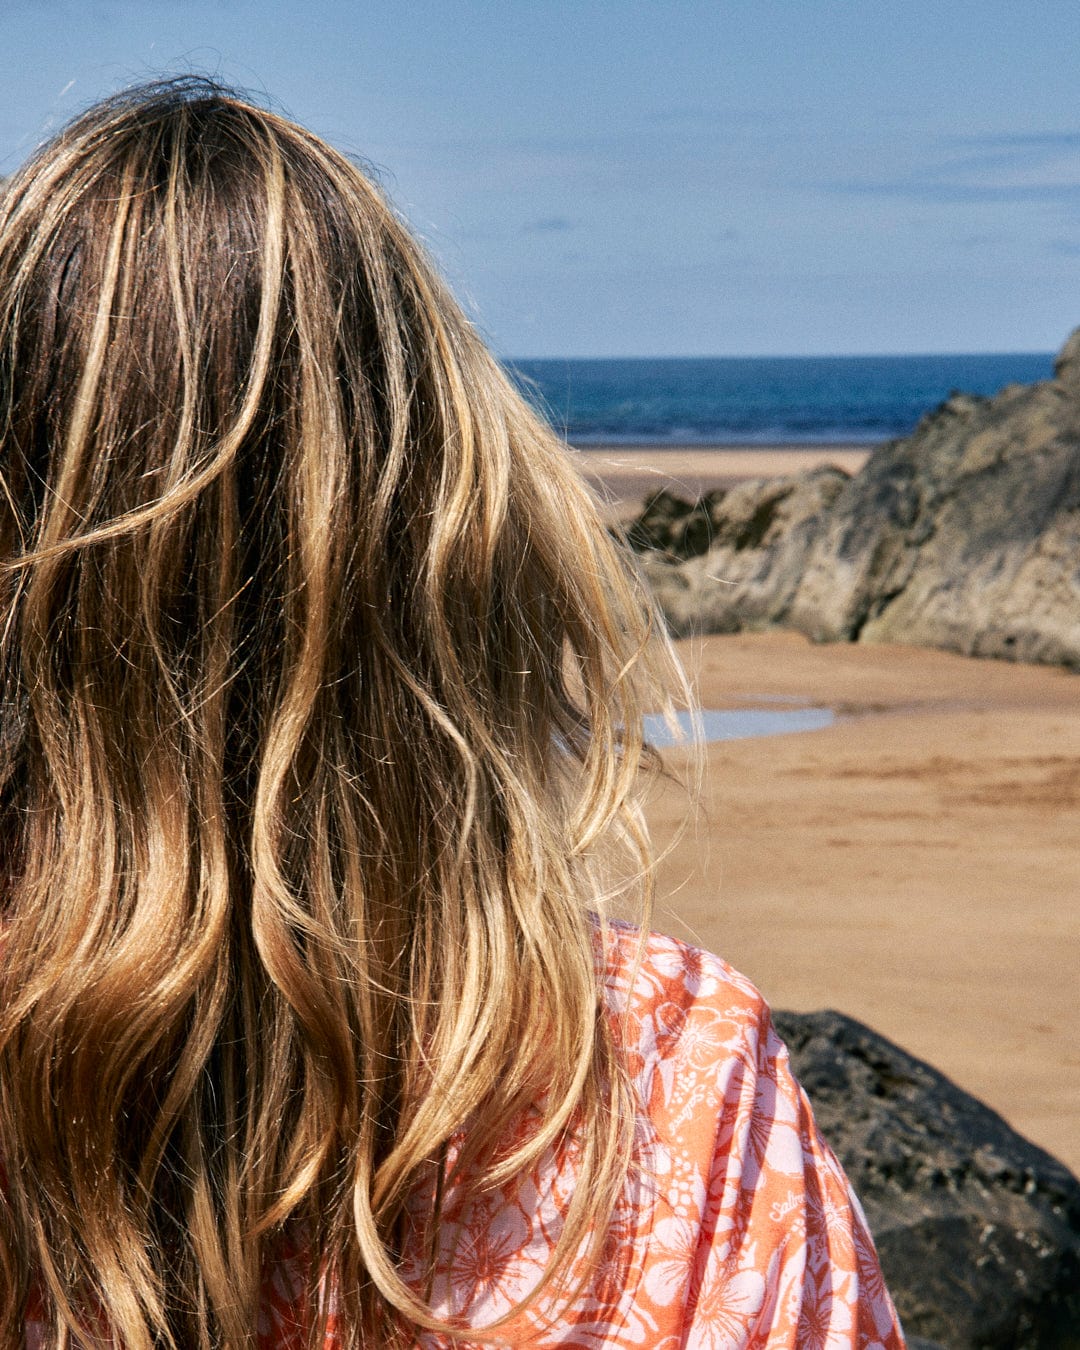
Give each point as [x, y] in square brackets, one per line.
[734, 724]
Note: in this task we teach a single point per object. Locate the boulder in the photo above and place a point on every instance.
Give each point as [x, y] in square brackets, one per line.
[978, 1230]
[964, 535]
[735, 559]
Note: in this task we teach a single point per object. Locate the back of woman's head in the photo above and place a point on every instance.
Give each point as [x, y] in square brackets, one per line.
[321, 682]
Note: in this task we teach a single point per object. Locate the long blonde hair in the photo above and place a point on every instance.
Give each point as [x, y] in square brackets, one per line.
[322, 683]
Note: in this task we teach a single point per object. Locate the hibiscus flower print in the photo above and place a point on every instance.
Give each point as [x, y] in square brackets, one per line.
[726, 1309]
[825, 1320]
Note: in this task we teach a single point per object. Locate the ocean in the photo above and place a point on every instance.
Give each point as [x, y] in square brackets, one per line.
[758, 400]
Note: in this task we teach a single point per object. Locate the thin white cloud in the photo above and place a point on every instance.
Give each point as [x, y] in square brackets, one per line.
[1021, 168]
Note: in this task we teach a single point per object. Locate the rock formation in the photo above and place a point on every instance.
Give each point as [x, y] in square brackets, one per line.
[964, 535]
[978, 1230]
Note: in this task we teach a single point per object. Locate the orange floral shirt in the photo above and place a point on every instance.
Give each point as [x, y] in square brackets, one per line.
[738, 1229]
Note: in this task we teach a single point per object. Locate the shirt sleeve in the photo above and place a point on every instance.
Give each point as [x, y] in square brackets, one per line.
[784, 1258]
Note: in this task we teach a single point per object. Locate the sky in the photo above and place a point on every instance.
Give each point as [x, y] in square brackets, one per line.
[658, 177]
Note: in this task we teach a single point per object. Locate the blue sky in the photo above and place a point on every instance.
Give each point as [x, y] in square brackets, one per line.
[659, 177]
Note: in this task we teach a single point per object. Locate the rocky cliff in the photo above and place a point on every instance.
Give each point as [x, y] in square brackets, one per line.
[963, 535]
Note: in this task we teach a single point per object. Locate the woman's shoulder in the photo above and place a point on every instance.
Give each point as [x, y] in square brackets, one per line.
[645, 967]
[709, 1072]
[671, 1003]
[711, 1076]
[752, 1224]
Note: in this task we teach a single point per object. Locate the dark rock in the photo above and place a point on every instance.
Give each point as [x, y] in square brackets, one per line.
[964, 535]
[978, 1230]
[660, 523]
[674, 527]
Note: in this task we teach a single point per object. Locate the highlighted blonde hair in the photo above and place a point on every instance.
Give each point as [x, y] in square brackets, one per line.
[322, 684]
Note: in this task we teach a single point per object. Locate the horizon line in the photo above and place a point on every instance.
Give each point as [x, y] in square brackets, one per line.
[783, 356]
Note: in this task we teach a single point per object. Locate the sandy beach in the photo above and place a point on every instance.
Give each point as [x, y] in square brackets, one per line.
[622, 475]
[915, 865]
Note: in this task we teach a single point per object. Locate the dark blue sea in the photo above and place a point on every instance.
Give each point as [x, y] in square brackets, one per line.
[758, 400]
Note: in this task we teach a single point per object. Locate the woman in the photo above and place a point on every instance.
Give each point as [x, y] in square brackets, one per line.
[322, 708]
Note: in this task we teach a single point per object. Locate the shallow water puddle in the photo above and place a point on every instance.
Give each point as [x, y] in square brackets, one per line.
[734, 724]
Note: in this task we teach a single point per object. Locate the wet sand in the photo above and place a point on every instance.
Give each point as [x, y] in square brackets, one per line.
[916, 865]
